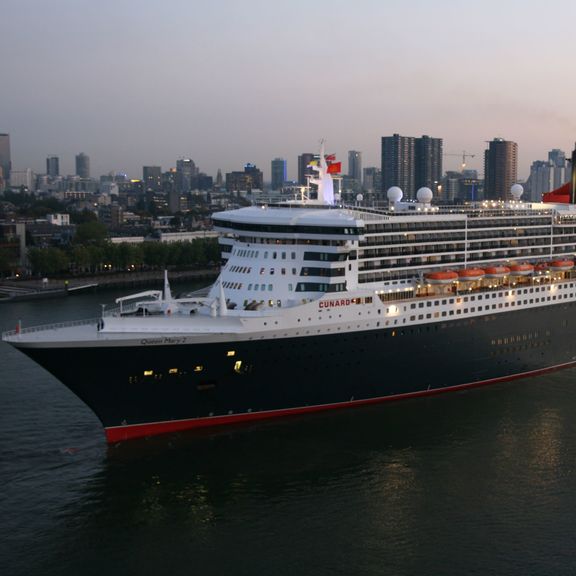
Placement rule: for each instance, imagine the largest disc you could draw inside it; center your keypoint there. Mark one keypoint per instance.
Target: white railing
(44, 327)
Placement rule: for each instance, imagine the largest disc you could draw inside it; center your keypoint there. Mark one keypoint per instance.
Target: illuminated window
(148, 372)
(231, 353)
(238, 366)
(173, 371)
(198, 368)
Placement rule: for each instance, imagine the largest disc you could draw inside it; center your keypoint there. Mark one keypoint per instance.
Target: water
(481, 482)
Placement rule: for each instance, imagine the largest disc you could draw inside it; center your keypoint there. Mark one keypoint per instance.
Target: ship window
(412, 318)
(269, 286)
(173, 371)
(274, 255)
(293, 254)
(148, 372)
(198, 368)
(262, 286)
(231, 353)
(283, 255)
(266, 254)
(290, 287)
(238, 366)
(256, 286)
(249, 286)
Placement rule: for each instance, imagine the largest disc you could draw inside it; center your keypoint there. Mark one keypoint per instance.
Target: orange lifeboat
(497, 271)
(542, 267)
(561, 265)
(471, 274)
(440, 277)
(521, 269)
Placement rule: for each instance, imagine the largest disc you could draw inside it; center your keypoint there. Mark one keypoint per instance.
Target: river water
(478, 482)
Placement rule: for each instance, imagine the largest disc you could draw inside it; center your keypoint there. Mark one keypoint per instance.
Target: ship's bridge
(284, 256)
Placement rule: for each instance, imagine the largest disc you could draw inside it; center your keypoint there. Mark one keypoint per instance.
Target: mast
(573, 178)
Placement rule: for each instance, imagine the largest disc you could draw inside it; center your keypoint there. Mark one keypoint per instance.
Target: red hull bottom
(129, 432)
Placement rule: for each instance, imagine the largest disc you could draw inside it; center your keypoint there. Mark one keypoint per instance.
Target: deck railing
(43, 327)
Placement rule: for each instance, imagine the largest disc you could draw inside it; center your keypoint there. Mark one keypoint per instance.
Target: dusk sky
(225, 82)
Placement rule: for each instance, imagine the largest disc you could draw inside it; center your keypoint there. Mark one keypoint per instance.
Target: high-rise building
(303, 169)
(152, 178)
(557, 158)
(372, 180)
(355, 165)
(546, 176)
(247, 181)
(398, 164)
(278, 173)
(83, 165)
(53, 166)
(185, 175)
(5, 161)
(411, 163)
(500, 169)
(427, 163)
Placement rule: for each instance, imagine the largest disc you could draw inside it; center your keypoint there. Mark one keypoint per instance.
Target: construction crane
(463, 155)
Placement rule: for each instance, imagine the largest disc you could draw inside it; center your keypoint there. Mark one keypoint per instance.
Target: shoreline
(19, 290)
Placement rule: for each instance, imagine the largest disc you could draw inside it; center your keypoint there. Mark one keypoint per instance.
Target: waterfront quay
(14, 290)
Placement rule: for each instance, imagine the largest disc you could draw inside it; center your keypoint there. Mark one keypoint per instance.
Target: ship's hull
(140, 390)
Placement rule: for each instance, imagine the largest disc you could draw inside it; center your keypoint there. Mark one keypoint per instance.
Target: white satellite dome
(394, 194)
(517, 190)
(359, 197)
(424, 195)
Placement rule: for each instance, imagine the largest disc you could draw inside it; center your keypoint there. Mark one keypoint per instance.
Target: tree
(90, 233)
(46, 261)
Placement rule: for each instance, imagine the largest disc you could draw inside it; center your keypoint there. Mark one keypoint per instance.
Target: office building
(185, 175)
(5, 160)
(152, 178)
(355, 165)
(53, 166)
(247, 181)
(303, 167)
(83, 166)
(278, 173)
(500, 169)
(372, 180)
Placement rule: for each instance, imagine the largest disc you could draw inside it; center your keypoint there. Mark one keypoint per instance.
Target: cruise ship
(320, 306)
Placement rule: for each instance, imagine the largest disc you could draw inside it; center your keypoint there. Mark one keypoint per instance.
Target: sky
(226, 82)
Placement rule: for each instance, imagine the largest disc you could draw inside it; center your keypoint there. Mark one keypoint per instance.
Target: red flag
(335, 168)
(330, 158)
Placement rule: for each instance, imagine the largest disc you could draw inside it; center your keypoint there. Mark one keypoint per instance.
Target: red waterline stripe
(132, 431)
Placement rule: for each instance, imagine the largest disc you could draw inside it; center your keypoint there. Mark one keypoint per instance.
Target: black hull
(141, 390)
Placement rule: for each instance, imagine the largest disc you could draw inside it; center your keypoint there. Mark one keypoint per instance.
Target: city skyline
(131, 84)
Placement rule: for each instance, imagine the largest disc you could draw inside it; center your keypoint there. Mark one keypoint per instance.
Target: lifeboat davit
(471, 274)
(521, 269)
(561, 265)
(497, 271)
(440, 277)
(542, 267)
